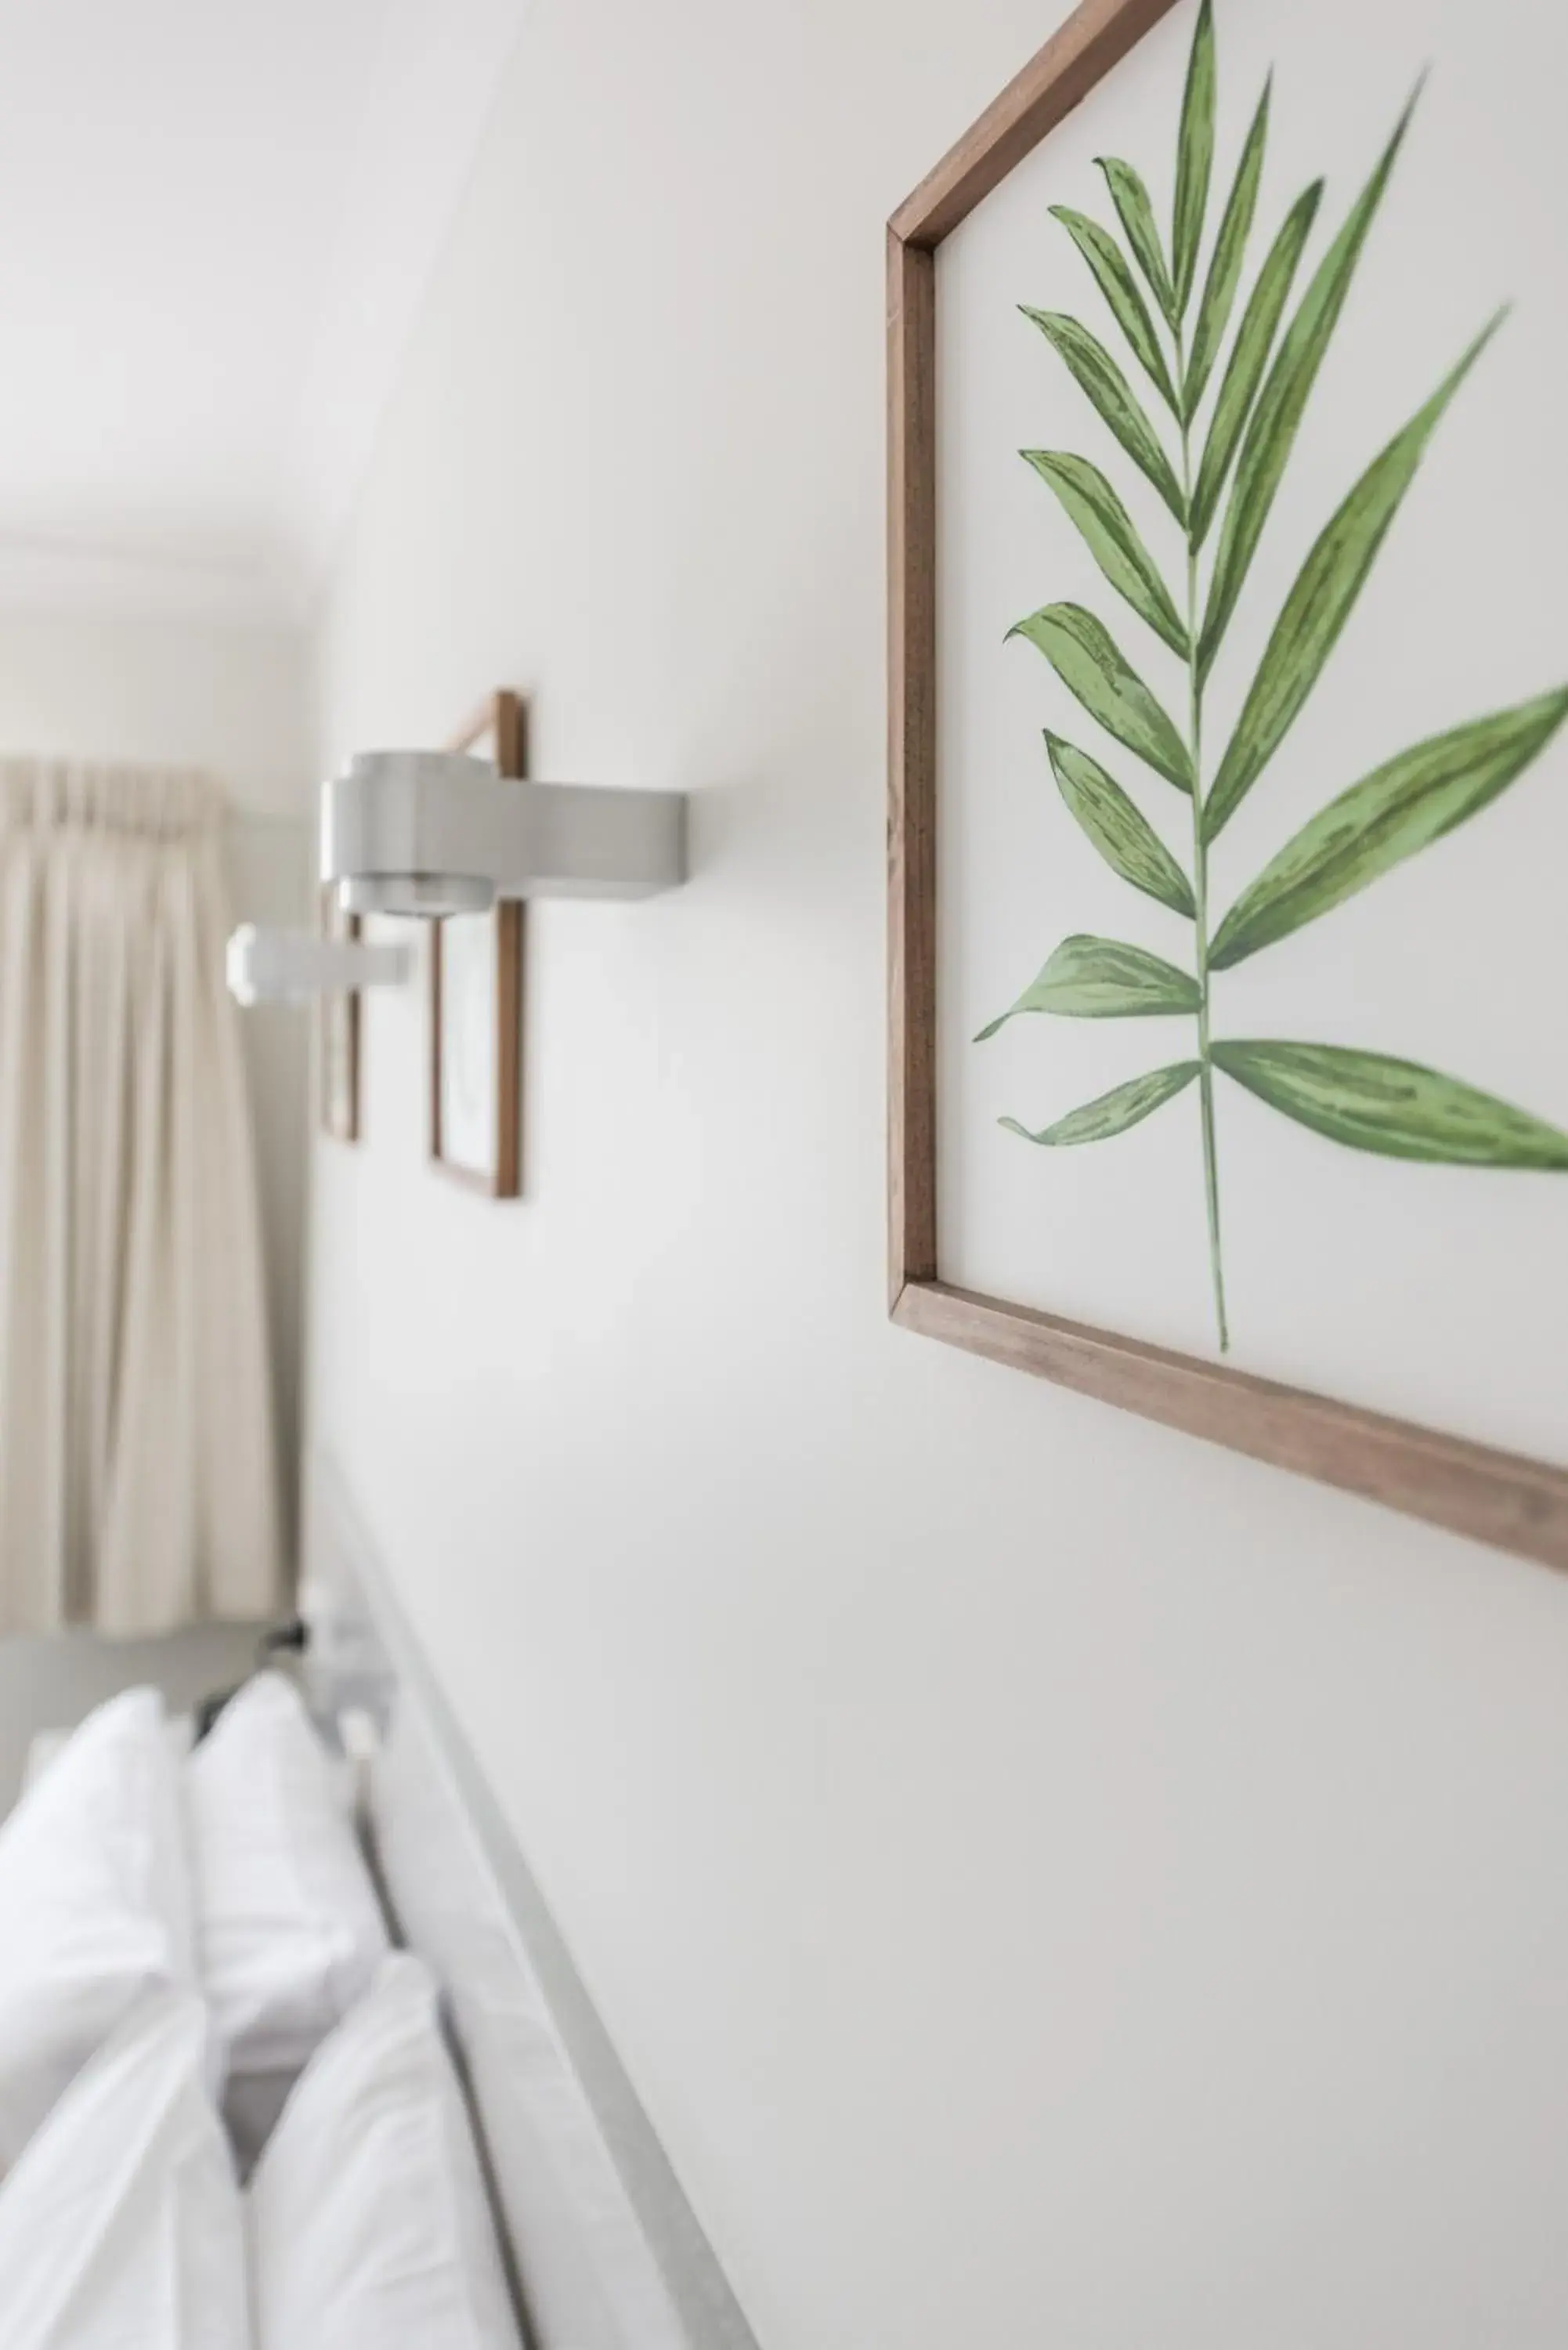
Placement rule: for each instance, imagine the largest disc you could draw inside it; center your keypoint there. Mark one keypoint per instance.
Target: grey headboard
(607, 2251)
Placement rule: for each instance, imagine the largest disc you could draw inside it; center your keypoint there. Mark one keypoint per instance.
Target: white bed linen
(95, 1904)
(48, 1745)
(367, 2218)
(289, 1930)
(121, 2227)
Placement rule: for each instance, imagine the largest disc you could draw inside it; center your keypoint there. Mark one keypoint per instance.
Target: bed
(603, 2250)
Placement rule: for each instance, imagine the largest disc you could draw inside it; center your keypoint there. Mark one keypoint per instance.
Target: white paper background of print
(1441, 1294)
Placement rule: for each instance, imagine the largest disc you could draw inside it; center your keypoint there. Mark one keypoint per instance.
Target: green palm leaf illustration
(1102, 979)
(1322, 598)
(1265, 368)
(1089, 663)
(1399, 808)
(1272, 433)
(1249, 358)
(1136, 214)
(1097, 375)
(1113, 1113)
(1115, 281)
(1111, 536)
(1194, 157)
(1396, 1108)
(1119, 830)
(1230, 251)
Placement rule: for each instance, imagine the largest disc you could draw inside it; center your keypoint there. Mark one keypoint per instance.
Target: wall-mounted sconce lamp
(436, 832)
(271, 966)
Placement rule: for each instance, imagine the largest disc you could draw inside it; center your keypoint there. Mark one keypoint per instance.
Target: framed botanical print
(1228, 700)
(476, 1005)
(338, 1034)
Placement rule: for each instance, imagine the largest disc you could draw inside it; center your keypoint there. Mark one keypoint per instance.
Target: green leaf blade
(1322, 598)
(1194, 157)
(1136, 214)
(1243, 375)
(1271, 435)
(1112, 539)
(1115, 281)
(1102, 979)
(1107, 390)
(1113, 1113)
(1399, 1109)
(1399, 809)
(1230, 250)
(1122, 834)
(1090, 664)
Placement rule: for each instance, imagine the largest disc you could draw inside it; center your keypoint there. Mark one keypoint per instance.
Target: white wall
(1052, 1882)
(105, 684)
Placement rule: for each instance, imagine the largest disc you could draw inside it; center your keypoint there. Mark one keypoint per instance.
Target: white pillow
(122, 2225)
(94, 1904)
(288, 1928)
(50, 1744)
(367, 2217)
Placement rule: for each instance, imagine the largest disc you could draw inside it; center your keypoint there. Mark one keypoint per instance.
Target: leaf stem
(1201, 868)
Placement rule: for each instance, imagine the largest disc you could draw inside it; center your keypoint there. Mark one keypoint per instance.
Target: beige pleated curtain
(138, 1468)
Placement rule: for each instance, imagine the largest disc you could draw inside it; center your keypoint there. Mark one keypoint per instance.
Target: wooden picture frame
(1518, 1505)
(338, 1027)
(500, 726)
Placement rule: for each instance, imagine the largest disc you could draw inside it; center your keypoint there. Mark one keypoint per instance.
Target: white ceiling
(217, 220)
